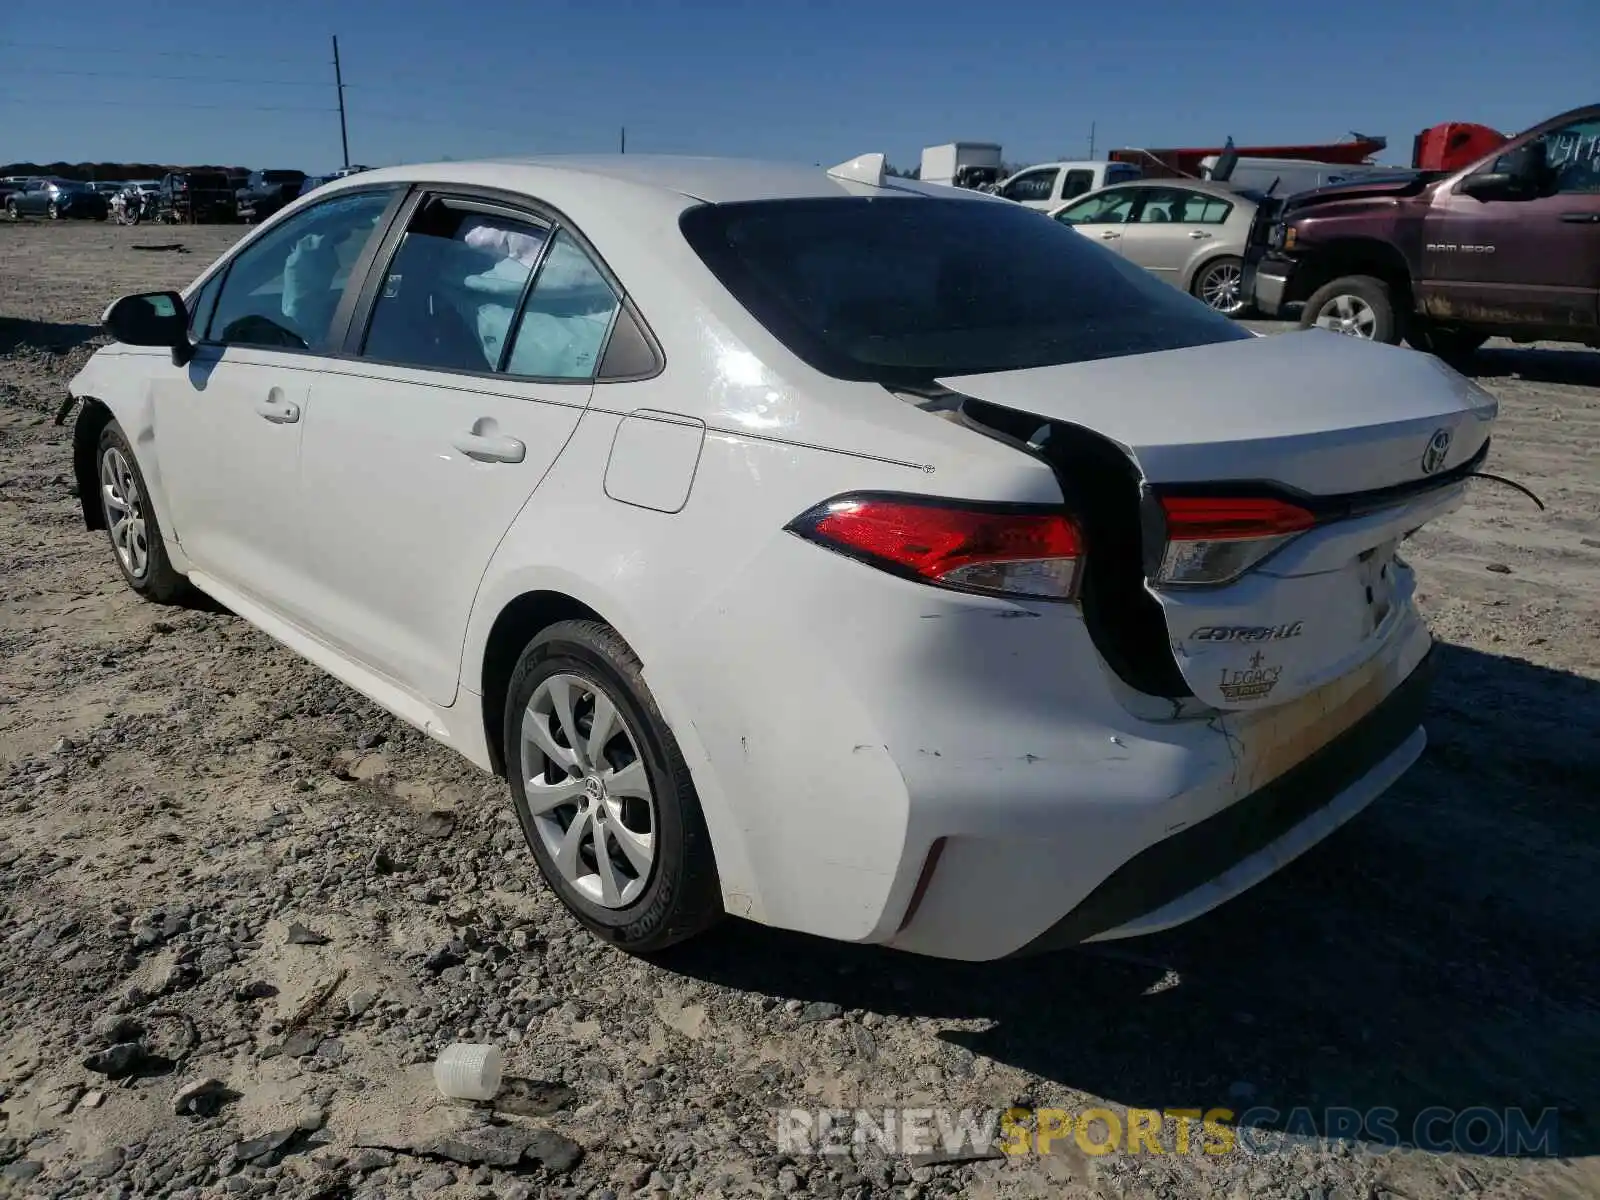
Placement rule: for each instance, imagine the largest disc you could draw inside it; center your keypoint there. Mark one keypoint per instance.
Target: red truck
(1508, 246)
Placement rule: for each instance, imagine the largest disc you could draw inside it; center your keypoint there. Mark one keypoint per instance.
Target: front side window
(1572, 157)
(1031, 185)
(284, 289)
(912, 289)
(1103, 208)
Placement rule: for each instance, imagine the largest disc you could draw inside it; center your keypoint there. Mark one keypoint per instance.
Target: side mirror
(1496, 185)
(152, 319)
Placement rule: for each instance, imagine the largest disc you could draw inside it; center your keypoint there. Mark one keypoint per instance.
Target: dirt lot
(184, 803)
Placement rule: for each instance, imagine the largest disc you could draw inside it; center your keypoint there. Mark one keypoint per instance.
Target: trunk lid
(1370, 439)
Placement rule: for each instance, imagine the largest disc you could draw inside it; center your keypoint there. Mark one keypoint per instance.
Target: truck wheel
(1355, 305)
(1452, 345)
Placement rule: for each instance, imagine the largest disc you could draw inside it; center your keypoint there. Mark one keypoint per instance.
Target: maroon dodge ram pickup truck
(1507, 247)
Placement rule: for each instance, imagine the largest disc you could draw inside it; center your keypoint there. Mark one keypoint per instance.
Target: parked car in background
(265, 192)
(191, 197)
(136, 202)
(311, 183)
(57, 199)
(1508, 246)
(1190, 234)
(1049, 184)
(346, 172)
(423, 430)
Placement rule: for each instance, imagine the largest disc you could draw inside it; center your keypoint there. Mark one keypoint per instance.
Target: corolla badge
(1438, 450)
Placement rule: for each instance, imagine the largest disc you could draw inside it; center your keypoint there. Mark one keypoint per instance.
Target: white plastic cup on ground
(469, 1071)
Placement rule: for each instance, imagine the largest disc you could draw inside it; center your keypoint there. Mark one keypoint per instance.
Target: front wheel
(131, 524)
(13, 213)
(53, 211)
(603, 795)
(1357, 306)
(1220, 283)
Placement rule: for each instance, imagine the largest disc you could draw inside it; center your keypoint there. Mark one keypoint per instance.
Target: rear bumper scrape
(1180, 868)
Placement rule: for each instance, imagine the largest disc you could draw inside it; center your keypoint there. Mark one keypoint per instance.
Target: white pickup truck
(1047, 185)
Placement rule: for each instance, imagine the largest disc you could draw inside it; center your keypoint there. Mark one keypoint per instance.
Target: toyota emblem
(1438, 450)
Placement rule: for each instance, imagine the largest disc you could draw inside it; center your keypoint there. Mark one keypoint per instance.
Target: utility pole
(623, 140)
(338, 84)
(1091, 138)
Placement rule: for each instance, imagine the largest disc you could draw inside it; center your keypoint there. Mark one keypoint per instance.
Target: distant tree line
(91, 172)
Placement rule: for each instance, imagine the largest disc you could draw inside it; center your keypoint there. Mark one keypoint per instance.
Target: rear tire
(53, 212)
(1451, 345)
(13, 213)
(630, 797)
(1355, 305)
(131, 524)
(1219, 284)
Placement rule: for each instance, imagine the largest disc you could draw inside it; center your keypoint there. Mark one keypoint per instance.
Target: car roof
(671, 179)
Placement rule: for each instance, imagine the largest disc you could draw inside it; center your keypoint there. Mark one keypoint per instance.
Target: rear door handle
(1581, 218)
(483, 447)
(1197, 234)
(278, 410)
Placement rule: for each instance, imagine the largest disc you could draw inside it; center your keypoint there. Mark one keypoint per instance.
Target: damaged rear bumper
(1092, 871)
(1198, 868)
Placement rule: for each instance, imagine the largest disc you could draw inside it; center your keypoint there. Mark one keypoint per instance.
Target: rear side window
(564, 325)
(1077, 183)
(907, 289)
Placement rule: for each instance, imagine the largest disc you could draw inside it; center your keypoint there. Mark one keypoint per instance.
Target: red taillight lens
(1008, 550)
(1212, 539)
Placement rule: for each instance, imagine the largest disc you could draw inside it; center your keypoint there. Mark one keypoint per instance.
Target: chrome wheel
(1221, 287)
(55, 213)
(587, 790)
(1349, 315)
(124, 509)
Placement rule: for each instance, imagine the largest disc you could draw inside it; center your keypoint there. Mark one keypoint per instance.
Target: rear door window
(912, 289)
(453, 288)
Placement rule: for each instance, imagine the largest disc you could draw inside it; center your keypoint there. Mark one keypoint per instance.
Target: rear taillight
(1211, 540)
(1024, 551)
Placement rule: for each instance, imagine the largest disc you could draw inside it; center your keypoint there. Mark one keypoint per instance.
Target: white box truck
(961, 164)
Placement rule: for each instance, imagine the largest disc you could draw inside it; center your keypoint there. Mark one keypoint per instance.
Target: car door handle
(1197, 234)
(490, 447)
(1581, 218)
(1111, 233)
(279, 412)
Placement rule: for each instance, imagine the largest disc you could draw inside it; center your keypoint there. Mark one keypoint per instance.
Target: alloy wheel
(1348, 314)
(1221, 288)
(587, 790)
(124, 509)
(55, 213)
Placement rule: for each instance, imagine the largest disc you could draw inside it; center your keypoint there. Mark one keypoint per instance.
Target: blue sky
(251, 84)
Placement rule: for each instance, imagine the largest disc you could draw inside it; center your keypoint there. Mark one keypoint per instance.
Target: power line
(166, 78)
(161, 104)
(122, 50)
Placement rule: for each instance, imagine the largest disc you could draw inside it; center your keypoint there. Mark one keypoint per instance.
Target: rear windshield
(282, 176)
(906, 289)
(203, 179)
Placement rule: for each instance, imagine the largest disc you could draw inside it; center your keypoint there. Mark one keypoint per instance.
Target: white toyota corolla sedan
(852, 555)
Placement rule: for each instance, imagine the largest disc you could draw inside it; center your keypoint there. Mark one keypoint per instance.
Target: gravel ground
(218, 864)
